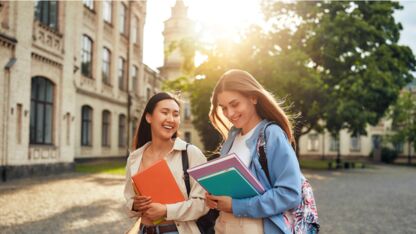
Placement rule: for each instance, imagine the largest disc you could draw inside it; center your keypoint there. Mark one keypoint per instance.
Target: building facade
(73, 82)
(177, 28)
(323, 145)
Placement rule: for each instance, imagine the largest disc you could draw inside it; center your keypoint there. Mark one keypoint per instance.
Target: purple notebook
(224, 163)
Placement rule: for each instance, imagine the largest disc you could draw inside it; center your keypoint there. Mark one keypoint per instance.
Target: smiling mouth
(167, 127)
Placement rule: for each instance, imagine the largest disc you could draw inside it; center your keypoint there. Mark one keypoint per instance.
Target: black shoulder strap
(185, 166)
(261, 142)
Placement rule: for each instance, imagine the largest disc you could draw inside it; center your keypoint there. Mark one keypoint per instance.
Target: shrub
(388, 155)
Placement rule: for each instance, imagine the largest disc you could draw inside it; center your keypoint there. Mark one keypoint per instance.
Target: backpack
(206, 222)
(304, 218)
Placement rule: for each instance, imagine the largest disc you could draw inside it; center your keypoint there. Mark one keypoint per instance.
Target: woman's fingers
(141, 203)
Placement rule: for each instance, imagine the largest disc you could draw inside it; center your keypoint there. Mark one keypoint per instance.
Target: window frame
(106, 66)
(108, 9)
(122, 130)
(45, 15)
(121, 73)
(123, 19)
(35, 101)
(87, 123)
(87, 53)
(89, 4)
(106, 129)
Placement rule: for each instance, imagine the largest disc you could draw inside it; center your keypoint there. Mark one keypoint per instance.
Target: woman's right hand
(141, 203)
(211, 203)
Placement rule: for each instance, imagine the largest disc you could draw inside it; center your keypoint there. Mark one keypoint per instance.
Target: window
(187, 111)
(41, 111)
(105, 141)
(122, 130)
(123, 14)
(135, 26)
(86, 56)
(89, 4)
(134, 75)
(121, 73)
(46, 12)
(355, 143)
(334, 144)
(398, 146)
(105, 68)
(86, 126)
(376, 140)
(313, 142)
(148, 93)
(107, 11)
(188, 137)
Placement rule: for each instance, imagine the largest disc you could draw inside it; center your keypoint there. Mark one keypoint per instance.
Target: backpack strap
(261, 145)
(185, 166)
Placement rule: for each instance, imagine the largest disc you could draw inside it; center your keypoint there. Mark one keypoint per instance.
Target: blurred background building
(73, 83)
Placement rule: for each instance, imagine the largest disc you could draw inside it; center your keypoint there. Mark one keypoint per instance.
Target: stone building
(323, 145)
(73, 82)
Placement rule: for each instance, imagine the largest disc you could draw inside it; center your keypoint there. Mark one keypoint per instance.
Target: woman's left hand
(155, 211)
(224, 203)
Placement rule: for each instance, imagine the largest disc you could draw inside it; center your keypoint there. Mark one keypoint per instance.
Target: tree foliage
(336, 64)
(403, 115)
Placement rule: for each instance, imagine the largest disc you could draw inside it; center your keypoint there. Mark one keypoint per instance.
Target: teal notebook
(228, 183)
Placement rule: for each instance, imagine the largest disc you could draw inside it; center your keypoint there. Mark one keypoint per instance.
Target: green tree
(403, 114)
(355, 45)
(339, 62)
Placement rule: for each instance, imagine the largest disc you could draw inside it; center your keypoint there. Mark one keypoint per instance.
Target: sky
(207, 14)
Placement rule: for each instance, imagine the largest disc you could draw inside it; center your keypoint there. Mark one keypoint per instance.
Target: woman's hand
(155, 211)
(211, 203)
(141, 203)
(222, 203)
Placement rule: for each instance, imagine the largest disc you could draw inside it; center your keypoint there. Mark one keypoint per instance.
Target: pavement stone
(377, 200)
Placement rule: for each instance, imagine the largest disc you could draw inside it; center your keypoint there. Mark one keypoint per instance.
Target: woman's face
(240, 110)
(165, 119)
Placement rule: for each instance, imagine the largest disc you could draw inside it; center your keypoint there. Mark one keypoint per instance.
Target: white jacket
(185, 213)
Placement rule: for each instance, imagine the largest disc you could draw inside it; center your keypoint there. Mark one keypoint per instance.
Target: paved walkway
(70, 203)
(380, 200)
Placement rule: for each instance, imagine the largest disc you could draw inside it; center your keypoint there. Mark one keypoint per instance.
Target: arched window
(121, 73)
(106, 127)
(106, 65)
(135, 77)
(41, 111)
(122, 130)
(86, 126)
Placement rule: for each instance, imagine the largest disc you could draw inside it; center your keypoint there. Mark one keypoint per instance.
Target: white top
(240, 148)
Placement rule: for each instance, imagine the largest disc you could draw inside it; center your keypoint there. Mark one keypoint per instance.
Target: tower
(177, 28)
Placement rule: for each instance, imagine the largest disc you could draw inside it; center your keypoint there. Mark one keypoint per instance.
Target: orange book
(158, 182)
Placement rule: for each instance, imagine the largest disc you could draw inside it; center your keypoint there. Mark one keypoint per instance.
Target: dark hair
(143, 132)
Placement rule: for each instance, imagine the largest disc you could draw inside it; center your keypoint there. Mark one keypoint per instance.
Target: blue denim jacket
(284, 174)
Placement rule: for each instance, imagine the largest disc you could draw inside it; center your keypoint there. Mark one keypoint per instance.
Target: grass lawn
(117, 168)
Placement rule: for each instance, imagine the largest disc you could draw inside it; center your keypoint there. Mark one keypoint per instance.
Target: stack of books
(227, 176)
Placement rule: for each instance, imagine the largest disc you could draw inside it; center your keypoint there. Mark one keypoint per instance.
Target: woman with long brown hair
(156, 139)
(242, 110)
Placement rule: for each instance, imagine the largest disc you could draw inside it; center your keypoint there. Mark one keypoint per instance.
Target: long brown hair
(143, 133)
(244, 83)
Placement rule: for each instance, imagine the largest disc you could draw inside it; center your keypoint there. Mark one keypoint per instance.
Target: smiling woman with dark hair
(156, 139)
